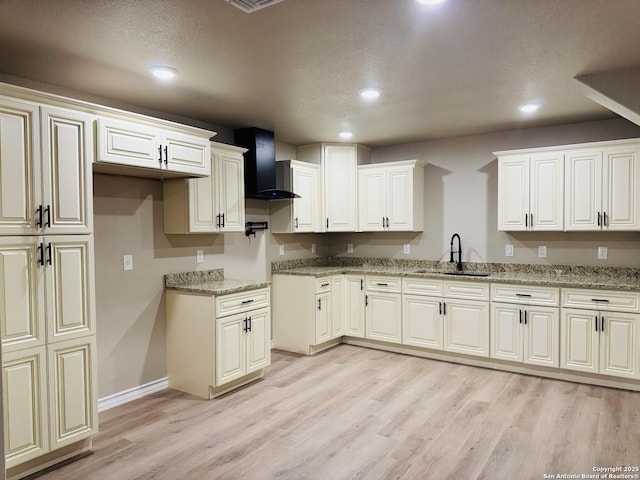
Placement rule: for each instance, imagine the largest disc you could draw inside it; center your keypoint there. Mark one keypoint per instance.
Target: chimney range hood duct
(260, 164)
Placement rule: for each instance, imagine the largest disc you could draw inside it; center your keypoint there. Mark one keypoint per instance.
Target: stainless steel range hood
(260, 164)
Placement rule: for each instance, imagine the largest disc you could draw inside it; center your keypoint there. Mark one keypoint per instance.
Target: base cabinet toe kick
(576, 334)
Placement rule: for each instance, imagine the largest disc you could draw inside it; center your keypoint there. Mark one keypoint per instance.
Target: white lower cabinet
(353, 304)
(242, 344)
(323, 317)
(422, 323)
(466, 327)
(528, 334)
(383, 309)
(525, 324)
(217, 342)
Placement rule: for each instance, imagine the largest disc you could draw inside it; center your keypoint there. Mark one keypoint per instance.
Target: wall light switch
(542, 251)
(349, 247)
(602, 253)
(407, 248)
(313, 248)
(281, 250)
(128, 262)
(199, 256)
(508, 250)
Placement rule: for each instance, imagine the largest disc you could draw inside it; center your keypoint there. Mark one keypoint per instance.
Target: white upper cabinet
(390, 196)
(530, 192)
(302, 214)
(158, 151)
(603, 189)
(339, 192)
(212, 204)
(590, 186)
(45, 169)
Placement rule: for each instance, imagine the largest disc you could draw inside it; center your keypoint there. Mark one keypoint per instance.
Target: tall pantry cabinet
(47, 299)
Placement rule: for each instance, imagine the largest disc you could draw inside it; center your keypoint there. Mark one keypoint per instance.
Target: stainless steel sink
(468, 274)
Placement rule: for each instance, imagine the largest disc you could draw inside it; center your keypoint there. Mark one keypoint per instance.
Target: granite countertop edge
(533, 279)
(220, 287)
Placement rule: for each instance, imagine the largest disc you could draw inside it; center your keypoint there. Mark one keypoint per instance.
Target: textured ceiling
(458, 68)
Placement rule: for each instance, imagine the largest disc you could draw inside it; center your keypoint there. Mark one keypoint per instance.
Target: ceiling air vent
(249, 6)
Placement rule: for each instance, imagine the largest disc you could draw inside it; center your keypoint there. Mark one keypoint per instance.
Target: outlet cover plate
(199, 256)
(349, 247)
(281, 250)
(313, 248)
(542, 251)
(406, 248)
(127, 262)
(508, 250)
(602, 253)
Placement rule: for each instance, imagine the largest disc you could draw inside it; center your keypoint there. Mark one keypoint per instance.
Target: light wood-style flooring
(356, 413)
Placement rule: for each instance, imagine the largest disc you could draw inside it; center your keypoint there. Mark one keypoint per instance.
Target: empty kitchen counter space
(218, 331)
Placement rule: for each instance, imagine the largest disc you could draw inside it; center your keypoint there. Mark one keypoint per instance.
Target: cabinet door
(372, 205)
(323, 317)
(340, 187)
(258, 339)
(69, 287)
(354, 306)
(383, 317)
(620, 344)
(466, 327)
(67, 149)
(128, 143)
(187, 154)
(422, 322)
(506, 332)
(306, 209)
(73, 394)
(20, 182)
(202, 204)
(542, 336)
(230, 183)
(583, 190)
(579, 340)
(24, 383)
(400, 198)
(230, 348)
(513, 193)
(338, 305)
(22, 313)
(546, 197)
(621, 189)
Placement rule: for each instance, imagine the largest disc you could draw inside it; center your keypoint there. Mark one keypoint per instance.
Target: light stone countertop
(211, 282)
(603, 279)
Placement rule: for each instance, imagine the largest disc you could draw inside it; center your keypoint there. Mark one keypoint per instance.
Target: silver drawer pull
(601, 300)
(244, 302)
(527, 295)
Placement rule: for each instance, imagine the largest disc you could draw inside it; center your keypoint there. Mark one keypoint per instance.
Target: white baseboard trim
(134, 393)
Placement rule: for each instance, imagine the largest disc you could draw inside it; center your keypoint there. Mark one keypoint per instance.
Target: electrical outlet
(508, 250)
(281, 250)
(349, 247)
(199, 256)
(128, 262)
(407, 248)
(602, 253)
(313, 248)
(542, 251)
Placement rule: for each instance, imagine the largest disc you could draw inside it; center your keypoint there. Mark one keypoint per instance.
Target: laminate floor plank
(356, 413)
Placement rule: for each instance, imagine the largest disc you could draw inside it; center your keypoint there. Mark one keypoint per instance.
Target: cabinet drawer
(242, 302)
(422, 286)
(380, 283)
(525, 294)
(323, 284)
(601, 300)
(466, 290)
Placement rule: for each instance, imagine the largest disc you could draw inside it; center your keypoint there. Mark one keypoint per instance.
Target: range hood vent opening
(260, 164)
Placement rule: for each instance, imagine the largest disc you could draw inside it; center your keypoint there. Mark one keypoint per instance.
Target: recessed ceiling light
(430, 2)
(345, 134)
(370, 93)
(163, 72)
(529, 107)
